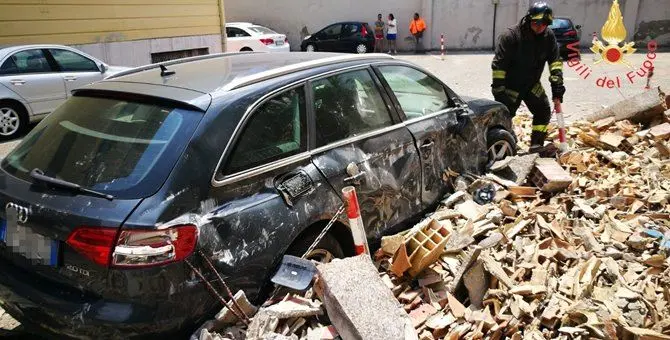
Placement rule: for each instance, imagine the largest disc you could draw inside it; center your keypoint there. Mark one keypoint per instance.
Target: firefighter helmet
(540, 11)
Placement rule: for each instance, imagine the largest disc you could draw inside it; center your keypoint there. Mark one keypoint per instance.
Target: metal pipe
(495, 15)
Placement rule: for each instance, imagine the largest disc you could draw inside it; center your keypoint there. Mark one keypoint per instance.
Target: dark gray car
(240, 156)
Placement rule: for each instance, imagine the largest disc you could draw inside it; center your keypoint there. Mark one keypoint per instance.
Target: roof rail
(174, 62)
(280, 71)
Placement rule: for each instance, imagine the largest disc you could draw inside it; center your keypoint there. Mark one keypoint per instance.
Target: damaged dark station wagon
(239, 156)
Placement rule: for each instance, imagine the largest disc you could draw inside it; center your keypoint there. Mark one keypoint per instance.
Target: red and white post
(355, 220)
(563, 146)
(442, 46)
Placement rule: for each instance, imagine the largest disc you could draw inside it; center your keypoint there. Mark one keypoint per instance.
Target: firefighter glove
(557, 91)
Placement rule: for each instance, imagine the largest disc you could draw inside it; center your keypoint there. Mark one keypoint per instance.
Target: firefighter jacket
(519, 61)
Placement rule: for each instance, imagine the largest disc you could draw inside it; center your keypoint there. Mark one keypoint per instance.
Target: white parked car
(36, 79)
(245, 36)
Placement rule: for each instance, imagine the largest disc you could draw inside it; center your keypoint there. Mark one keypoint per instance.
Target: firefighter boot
(537, 145)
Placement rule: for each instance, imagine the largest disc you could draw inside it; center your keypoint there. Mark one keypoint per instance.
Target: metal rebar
(230, 294)
(211, 288)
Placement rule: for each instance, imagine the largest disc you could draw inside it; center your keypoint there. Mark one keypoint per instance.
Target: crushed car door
(431, 117)
(357, 143)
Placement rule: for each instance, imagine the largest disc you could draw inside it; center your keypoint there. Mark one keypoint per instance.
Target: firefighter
(517, 67)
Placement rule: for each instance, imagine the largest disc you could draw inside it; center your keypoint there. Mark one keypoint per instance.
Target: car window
(234, 32)
(333, 30)
(30, 61)
(347, 105)
(417, 93)
(261, 30)
(120, 147)
(561, 23)
(73, 62)
(277, 129)
(349, 30)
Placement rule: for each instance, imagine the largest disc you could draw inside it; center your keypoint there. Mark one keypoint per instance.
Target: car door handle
(70, 78)
(17, 82)
(427, 144)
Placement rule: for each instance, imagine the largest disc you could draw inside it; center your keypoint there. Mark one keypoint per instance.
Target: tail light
(570, 33)
(134, 248)
(364, 31)
(93, 242)
(267, 41)
(286, 40)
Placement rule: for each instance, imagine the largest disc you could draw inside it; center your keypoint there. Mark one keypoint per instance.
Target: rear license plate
(25, 242)
(279, 42)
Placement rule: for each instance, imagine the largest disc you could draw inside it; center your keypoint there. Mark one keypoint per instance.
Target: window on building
(171, 55)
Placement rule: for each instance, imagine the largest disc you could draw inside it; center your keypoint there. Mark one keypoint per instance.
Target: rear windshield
(123, 148)
(261, 30)
(561, 23)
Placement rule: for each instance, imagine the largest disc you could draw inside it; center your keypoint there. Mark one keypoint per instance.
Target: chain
(324, 231)
(316, 241)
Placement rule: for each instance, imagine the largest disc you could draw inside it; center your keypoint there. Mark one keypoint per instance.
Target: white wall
(466, 24)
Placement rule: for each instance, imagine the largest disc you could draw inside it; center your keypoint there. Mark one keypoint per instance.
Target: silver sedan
(36, 79)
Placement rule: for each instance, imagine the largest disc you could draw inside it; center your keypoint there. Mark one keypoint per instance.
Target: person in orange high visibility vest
(417, 26)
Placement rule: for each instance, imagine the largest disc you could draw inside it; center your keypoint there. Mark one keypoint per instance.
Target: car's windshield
(561, 23)
(123, 148)
(261, 30)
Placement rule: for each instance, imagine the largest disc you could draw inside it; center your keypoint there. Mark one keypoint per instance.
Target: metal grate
(171, 55)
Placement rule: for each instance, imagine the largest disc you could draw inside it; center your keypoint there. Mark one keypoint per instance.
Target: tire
(327, 249)
(246, 49)
(13, 120)
(361, 49)
(499, 144)
(310, 48)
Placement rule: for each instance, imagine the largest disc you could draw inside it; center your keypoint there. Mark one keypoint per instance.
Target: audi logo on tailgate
(21, 212)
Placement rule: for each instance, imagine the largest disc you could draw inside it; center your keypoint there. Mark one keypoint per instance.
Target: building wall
(299, 18)
(100, 27)
(466, 24)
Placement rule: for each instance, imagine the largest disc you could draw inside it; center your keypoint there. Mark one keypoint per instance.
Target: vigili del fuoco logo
(614, 51)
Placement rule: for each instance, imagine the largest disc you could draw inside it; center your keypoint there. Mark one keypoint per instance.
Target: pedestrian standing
(417, 26)
(379, 34)
(518, 64)
(392, 33)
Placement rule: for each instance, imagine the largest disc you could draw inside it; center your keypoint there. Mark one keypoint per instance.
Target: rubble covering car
(238, 156)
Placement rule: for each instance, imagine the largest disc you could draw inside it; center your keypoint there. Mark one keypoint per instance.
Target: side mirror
(103, 68)
(578, 27)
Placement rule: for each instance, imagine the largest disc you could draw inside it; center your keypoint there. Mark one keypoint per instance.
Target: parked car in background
(237, 157)
(350, 36)
(36, 79)
(566, 33)
(245, 36)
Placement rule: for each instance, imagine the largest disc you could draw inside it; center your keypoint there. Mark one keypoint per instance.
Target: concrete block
(549, 176)
(359, 304)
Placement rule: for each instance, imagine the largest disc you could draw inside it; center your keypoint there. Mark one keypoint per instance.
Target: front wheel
(310, 48)
(13, 120)
(499, 144)
(361, 49)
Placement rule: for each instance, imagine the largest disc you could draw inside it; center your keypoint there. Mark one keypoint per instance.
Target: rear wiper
(39, 175)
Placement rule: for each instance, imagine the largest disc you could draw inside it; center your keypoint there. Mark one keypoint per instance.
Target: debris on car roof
(565, 248)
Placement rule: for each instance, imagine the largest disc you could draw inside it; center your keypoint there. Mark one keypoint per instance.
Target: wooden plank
(94, 37)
